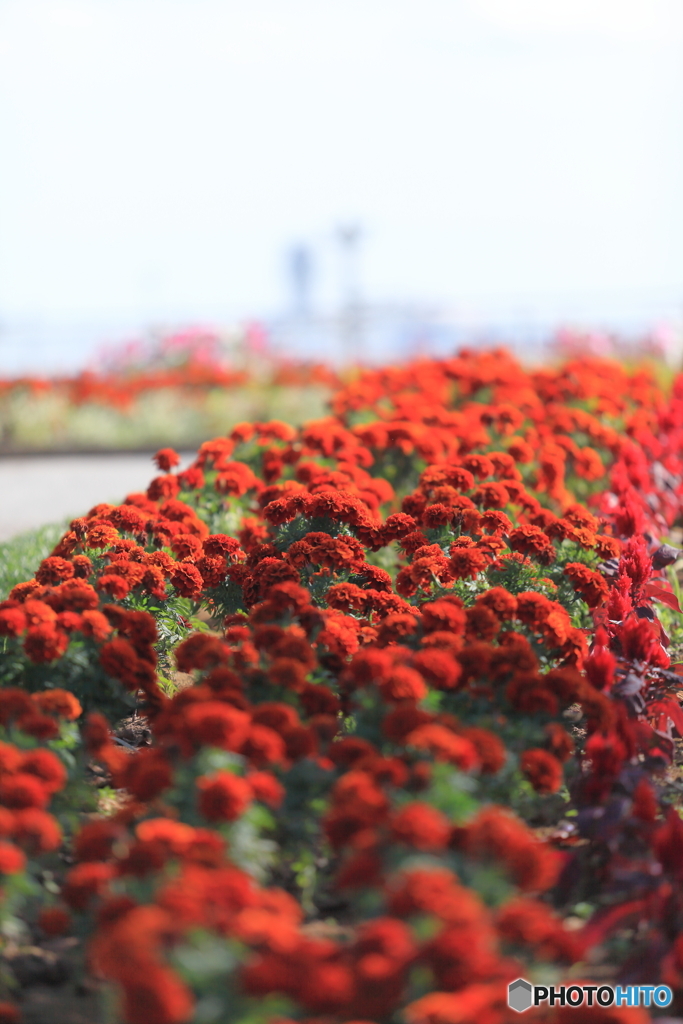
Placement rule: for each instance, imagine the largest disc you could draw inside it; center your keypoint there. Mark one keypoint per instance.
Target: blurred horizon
(457, 169)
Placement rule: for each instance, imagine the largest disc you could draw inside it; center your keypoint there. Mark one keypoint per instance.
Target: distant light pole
(301, 275)
(350, 317)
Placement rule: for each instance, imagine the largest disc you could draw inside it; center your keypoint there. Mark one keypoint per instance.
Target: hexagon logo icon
(519, 995)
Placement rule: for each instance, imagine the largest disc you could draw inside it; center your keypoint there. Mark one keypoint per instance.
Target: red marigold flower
(242, 432)
(499, 601)
(423, 890)
(263, 746)
(490, 750)
(22, 591)
(166, 459)
(266, 788)
(491, 495)
(119, 659)
(590, 585)
(559, 742)
(146, 775)
(95, 624)
(412, 542)
(101, 536)
(10, 758)
(223, 796)
(13, 619)
(444, 745)
(23, 790)
(345, 752)
(154, 581)
(45, 643)
(532, 541)
(37, 830)
(174, 836)
(47, 767)
(396, 628)
(466, 562)
(482, 622)
(494, 832)
(215, 452)
(41, 727)
(529, 692)
(213, 723)
(236, 478)
(152, 993)
(357, 791)
(61, 703)
(542, 769)
(300, 741)
(403, 683)
(439, 668)
(607, 547)
(200, 651)
(116, 586)
(213, 570)
(14, 703)
(187, 546)
(54, 570)
(187, 580)
(220, 545)
(397, 526)
(84, 882)
(327, 988)
(129, 519)
(458, 956)
(422, 826)
(529, 922)
(444, 614)
(360, 870)
(54, 921)
(436, 515)
(74, 595)
(96, 734)
(69, 621)
(167, 486)
(480, 465)
(12, 860)
(191, 479)
(94, 840)
(496, 522)
(288, 673)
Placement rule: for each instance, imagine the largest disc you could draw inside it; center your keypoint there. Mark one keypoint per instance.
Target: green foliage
(21, 556)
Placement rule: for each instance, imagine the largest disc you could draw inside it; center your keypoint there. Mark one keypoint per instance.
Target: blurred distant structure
(351, 309)
(382, 332)
(355, 331)
(300, 265)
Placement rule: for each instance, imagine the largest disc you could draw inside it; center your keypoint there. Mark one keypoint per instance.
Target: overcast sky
(160, 156)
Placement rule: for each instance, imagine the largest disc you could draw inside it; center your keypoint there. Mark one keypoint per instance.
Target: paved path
(40, 489)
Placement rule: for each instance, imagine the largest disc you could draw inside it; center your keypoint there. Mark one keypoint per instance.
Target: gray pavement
(40, 489)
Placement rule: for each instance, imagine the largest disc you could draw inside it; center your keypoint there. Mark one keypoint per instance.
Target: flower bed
(175, 389)
(381, 711)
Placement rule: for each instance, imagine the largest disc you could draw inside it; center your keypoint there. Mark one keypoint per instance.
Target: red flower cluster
(421, 593)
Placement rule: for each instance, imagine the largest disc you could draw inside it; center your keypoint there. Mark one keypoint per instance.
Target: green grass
(21, 556)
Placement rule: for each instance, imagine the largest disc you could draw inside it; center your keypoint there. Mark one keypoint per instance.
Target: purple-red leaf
(665, 596)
